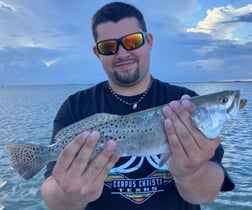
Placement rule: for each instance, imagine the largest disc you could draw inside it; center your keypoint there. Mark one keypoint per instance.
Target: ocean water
(26, 115)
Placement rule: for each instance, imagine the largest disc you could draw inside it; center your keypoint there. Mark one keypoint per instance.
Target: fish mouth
(242, 103)
(237, 104)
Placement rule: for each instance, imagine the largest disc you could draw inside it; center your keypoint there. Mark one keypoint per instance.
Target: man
(192, 176)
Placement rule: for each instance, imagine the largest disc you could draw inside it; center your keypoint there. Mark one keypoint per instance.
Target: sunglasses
(129, 42)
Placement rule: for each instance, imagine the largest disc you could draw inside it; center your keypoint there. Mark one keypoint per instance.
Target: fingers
(189, 147)
(72, 153)
(180, 138)
(177, 148)
(74, 170)
(96, 172)
(184, 139)
(103, 162)
(82, 157)
(185, 96)
(207, 146)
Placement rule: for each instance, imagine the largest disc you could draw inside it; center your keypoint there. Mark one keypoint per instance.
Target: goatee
(127, 79)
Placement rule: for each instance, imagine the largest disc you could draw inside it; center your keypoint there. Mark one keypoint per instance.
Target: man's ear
(149, 39)
(96, 52)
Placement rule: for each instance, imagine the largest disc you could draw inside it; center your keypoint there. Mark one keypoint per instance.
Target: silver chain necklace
(134, 104)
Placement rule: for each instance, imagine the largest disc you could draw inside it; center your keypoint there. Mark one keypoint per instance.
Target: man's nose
(122, 51)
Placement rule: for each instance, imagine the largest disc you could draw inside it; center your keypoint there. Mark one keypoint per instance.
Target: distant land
(235, 80)
(216, 81)
(2, 85)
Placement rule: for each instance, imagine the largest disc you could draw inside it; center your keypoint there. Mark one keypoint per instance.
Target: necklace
(134, 104)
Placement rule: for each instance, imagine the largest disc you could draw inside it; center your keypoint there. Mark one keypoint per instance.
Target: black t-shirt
(137, 182)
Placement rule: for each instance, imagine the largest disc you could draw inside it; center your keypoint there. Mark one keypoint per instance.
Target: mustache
(118, 61)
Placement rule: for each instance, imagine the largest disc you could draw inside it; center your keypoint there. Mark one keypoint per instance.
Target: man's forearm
(56, 198)
(203, 186)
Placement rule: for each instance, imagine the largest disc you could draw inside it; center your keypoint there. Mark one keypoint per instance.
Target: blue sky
(50, 42)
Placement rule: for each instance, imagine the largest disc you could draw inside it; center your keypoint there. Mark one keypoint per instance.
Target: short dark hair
(114, 12)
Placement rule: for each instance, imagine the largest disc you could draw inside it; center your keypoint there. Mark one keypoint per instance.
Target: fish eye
(223, 100)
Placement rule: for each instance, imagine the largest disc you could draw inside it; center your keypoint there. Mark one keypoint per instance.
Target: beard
(127, 78)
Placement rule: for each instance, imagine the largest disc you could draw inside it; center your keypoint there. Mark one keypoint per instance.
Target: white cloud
(162, 15)
(166, 8)
(221, 22)
(17, 63)
(49, 62)
(206, 49)
(1, 67)
(27, 41)
(7, 7)
(29, 25)
(204, 64)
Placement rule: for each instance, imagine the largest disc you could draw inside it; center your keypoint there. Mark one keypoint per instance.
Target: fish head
(215, 109)
(235, 103)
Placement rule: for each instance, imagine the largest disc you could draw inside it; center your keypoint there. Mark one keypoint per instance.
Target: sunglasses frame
(120, 42)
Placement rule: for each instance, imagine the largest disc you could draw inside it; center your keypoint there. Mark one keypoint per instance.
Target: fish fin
(164, 158)
(25, 158)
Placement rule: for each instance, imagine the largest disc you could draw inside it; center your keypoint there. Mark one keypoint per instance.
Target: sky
(50, 41)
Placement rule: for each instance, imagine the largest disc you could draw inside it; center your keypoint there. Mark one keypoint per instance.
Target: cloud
(1, 67)
(37, 24)
(204, 64)
(246, 18)
(161, 15)
(198, 57)
(7, 7)
(222, 22)
(49, 62)
(166, 8)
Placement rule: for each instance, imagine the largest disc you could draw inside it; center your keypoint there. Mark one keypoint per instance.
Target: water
(26, 115)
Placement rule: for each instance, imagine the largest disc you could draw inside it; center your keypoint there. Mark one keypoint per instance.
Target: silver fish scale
(129, 131)
(133, 132)
(68, 133)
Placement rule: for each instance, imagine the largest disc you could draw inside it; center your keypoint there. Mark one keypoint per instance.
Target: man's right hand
(77, 179)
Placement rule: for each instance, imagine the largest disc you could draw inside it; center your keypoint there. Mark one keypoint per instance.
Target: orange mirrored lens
(133, 41)
(107, 47)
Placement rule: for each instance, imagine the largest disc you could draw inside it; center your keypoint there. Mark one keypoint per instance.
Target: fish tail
(27, 159)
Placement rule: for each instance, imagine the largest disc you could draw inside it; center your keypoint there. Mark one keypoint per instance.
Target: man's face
(125, 67)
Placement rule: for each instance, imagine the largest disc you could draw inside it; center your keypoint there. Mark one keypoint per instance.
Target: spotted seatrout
(137, 134)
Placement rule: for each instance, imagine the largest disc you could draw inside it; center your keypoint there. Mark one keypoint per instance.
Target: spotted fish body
(137, 134)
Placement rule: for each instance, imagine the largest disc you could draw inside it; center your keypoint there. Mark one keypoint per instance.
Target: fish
(137, 134)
